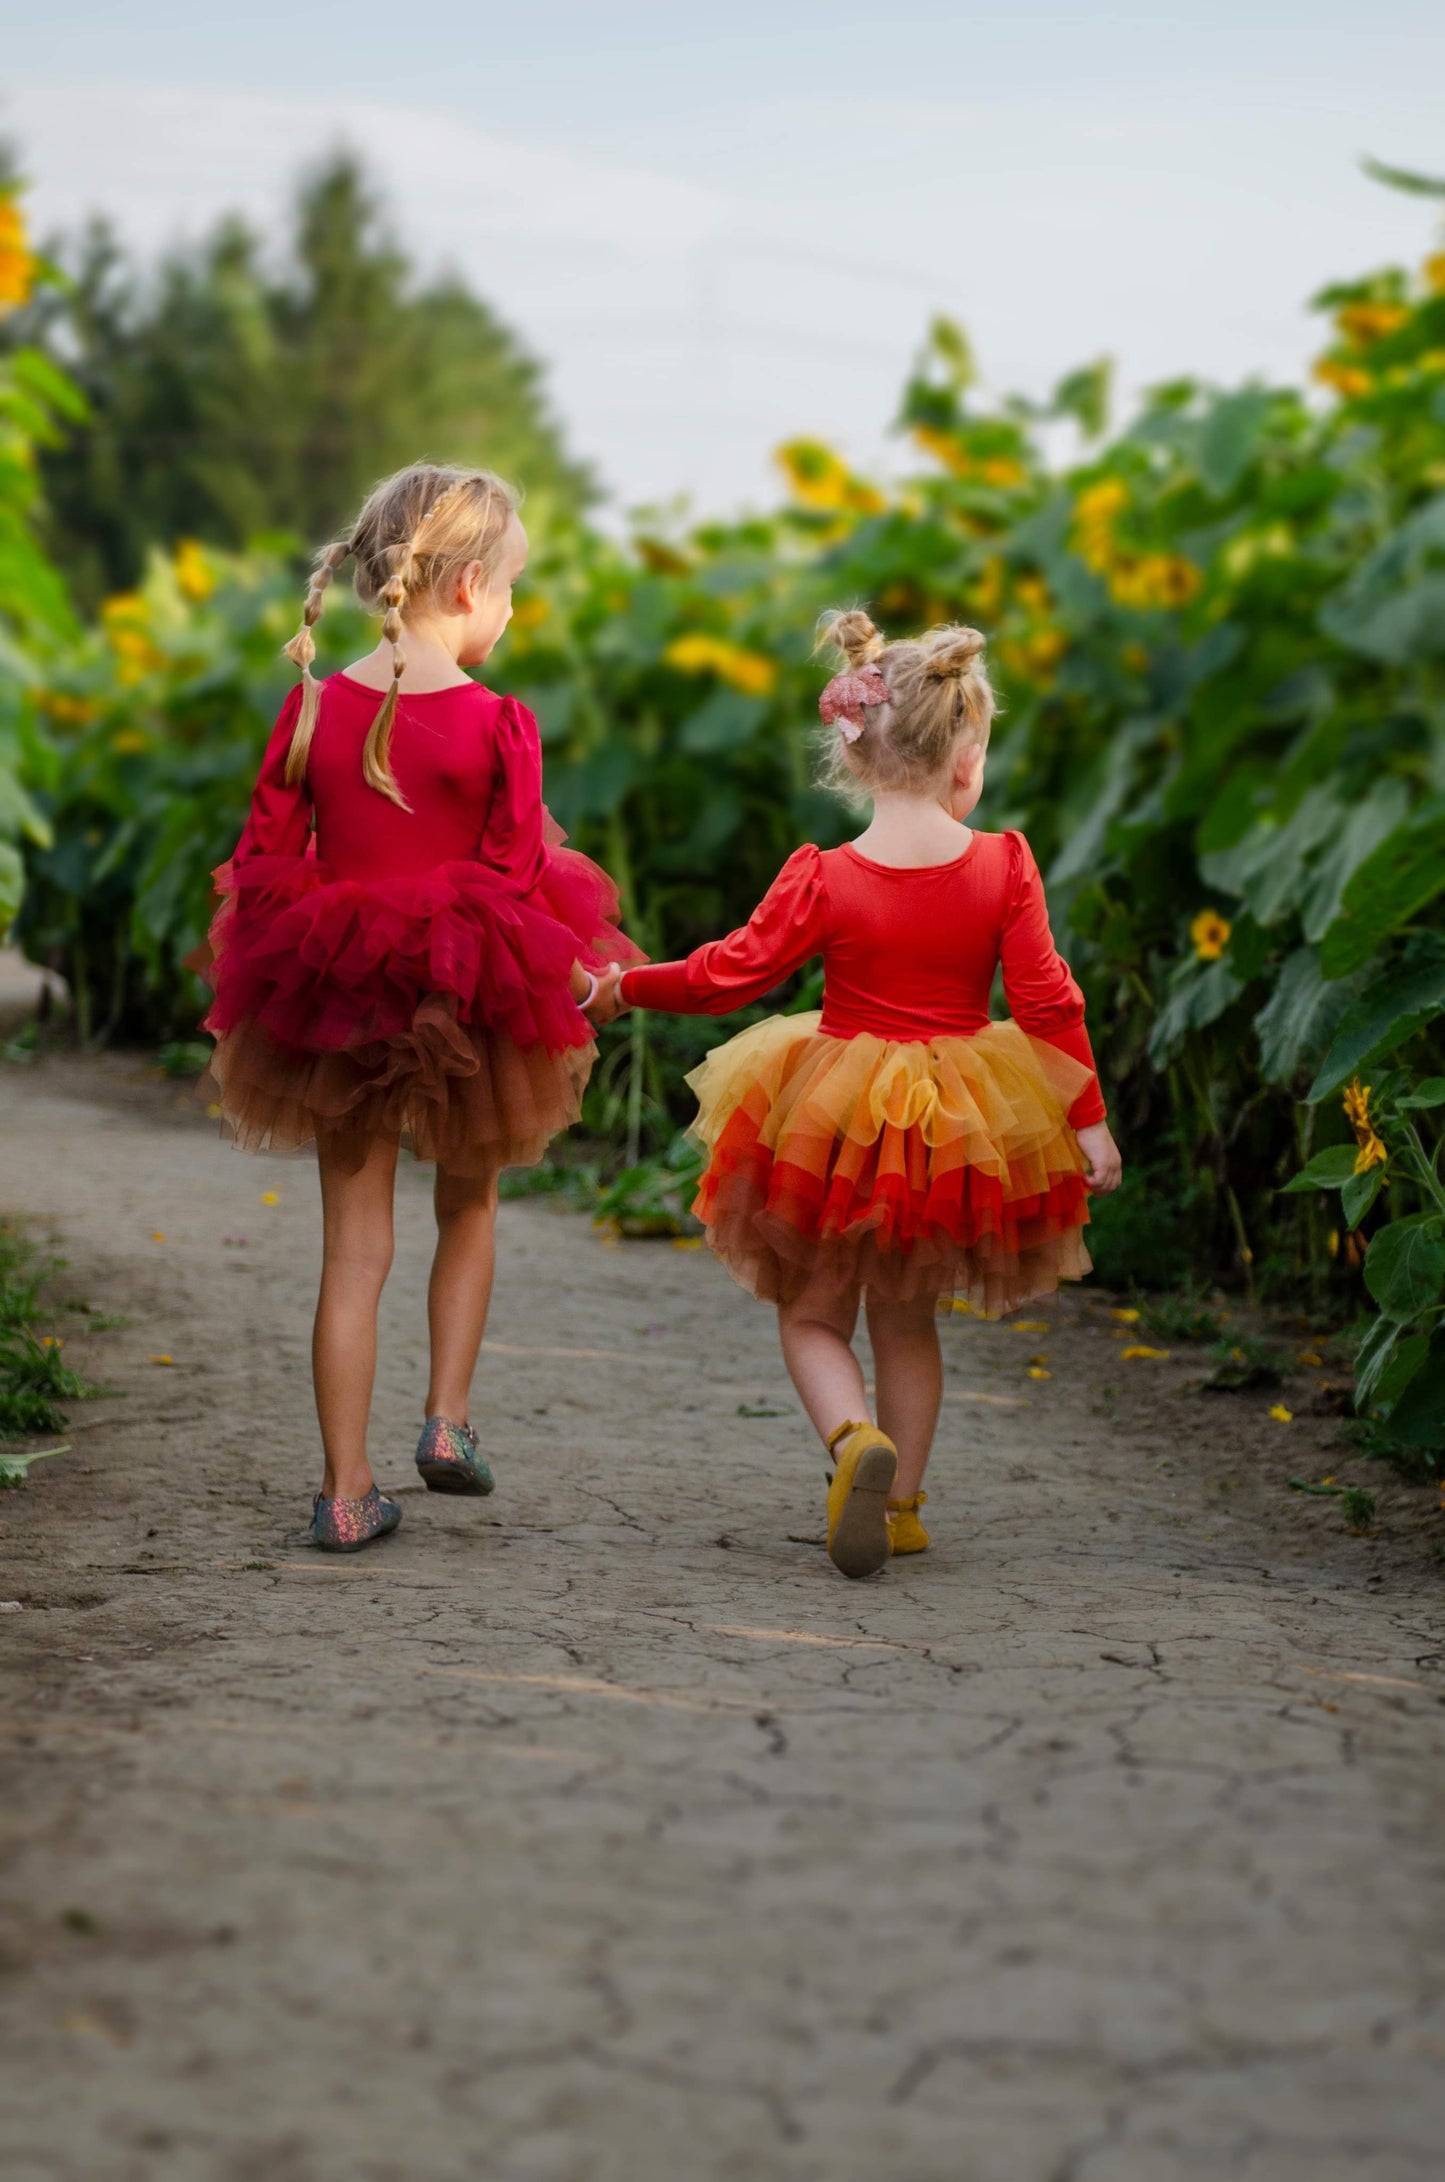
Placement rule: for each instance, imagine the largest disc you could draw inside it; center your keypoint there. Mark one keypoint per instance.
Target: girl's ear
(968, 765)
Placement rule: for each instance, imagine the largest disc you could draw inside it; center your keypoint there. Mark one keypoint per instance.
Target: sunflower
(1210, 934)
(1356, 1102)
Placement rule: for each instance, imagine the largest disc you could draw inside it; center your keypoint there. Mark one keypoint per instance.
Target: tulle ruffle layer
(433, 1007)
(324, 964)
(473, 1100)
(936, 1168)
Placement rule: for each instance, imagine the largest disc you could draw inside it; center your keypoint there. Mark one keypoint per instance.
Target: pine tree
(230, 399)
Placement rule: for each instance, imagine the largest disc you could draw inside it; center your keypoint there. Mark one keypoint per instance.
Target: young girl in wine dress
(427, 964)
(900, 1145)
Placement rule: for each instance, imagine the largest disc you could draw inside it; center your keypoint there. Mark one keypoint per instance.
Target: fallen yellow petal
(1126, 1318)
(687, 1242)
(1037, 1372)
(1030, 1325)
(160, 1359)
(213, 1111)
(270, 1197)
(1281, 1415)
(1309, 1356)
(158, 1237)
(1140, 1350)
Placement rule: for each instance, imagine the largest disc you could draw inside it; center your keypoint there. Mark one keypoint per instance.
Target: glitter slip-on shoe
(858, 1541)
(345, 1526)
(450, 1460)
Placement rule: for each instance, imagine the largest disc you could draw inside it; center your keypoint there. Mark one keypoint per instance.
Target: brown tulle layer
(468, 1098)
(927, 1168)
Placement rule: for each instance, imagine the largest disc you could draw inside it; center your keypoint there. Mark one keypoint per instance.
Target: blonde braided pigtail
(301, 651)
(376, 753)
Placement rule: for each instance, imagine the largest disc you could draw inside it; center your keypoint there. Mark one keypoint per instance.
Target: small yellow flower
(988, 589)
(65, 710)
(1356, 1102)
(51, 1341)
(194, 573)
(17, 259)
(1151, 580)
(1281, 1415)
(1209, 933)
(1139, 1350)
(751, 673)
(1362, 323)
(270, 1197)
(1347, 380)
(1102, 503)
(820, 479)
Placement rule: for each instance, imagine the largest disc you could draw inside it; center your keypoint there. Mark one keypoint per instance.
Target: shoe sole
(360, 1545)
(447, 1477)
(859, 1544)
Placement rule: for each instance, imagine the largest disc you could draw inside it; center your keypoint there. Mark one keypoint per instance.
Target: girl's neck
(431, 663)
(910, 831)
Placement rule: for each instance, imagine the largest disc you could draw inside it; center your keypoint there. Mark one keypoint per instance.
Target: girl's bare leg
(356, 1213)
(908, 1364)
(816, 1331)
(460, 1290)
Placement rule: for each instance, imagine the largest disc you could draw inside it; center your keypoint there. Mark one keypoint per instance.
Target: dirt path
(602, 1834)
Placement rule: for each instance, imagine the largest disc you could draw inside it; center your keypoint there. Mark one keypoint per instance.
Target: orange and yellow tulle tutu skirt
(944, 1167)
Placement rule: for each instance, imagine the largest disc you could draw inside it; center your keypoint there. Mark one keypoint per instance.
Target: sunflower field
(1219, 636)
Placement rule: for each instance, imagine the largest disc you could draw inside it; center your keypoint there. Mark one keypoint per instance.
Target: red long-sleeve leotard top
(467, 761)
(907, 954)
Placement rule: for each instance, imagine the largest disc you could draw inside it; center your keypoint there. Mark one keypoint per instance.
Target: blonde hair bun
(938, 697)
(952, 652)
(854, 635)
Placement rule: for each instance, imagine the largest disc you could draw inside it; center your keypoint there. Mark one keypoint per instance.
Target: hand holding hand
(1106, 1168)
(606, 1003)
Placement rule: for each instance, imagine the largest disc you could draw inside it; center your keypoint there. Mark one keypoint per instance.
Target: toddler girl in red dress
(428, 963)
(899, 1143)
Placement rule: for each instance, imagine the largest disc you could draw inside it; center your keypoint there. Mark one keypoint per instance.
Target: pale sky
(721, 228)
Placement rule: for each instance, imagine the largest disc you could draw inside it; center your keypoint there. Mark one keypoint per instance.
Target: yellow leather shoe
(906, 1534)
(858, 1498)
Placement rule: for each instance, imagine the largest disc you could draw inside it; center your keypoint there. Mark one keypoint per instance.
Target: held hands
(1106, 1168)
(606, 1003)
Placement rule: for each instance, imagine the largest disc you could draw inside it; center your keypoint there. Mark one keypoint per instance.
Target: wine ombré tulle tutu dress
(405, 974)
(899, 1140)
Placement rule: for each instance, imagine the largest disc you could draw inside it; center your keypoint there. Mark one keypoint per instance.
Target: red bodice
(907, 954)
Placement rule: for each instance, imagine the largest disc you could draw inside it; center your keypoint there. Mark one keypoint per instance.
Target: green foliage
(1218, 639)
(1241, 1365)
(231, 396)
(34, 1381)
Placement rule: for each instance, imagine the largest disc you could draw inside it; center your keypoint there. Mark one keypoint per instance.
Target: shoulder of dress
(804, 871)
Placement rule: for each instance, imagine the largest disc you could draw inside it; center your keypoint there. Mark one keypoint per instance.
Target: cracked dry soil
(599, 1832)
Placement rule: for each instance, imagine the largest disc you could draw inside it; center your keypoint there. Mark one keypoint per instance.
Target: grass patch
(35, 1380)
